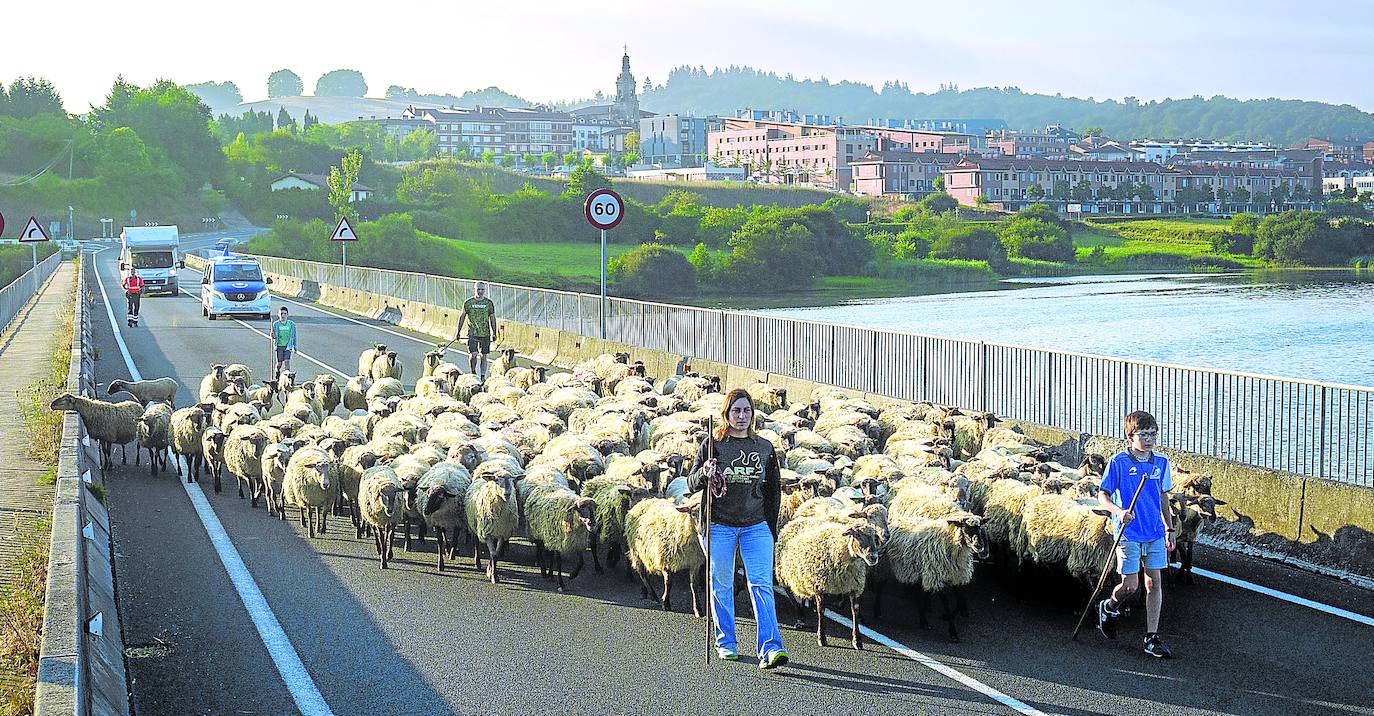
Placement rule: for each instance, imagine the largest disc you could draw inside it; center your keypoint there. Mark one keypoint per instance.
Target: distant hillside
(331, 110)
(1284, 122)
(489, 97)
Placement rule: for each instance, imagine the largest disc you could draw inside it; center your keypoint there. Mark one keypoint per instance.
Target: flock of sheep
(594, 460)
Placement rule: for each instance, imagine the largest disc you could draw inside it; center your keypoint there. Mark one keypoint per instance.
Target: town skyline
(1248, 51)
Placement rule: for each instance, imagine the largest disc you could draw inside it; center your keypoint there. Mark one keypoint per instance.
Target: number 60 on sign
(604, 209)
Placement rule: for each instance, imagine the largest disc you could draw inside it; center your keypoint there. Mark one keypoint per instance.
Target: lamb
(187, 427)
(327, 390)
(937, 556)
(109, 423)
(355, 392)
(276, 457)
(560, 523)
(822, 558)
(380, 503)
(212, 448)
(157, 390)
(492, 517)
(243, 457)
(213, 383)
(386, 366)
(366, 359)
(661, 539)
(443, 491)
(155, 435)
(312, 484)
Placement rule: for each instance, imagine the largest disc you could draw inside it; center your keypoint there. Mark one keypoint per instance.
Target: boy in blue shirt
(1148, 534)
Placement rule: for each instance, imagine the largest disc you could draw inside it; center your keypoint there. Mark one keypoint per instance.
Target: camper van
(154, 253)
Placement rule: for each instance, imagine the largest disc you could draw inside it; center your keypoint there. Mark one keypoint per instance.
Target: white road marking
(1285, 596)
(297, 680)
(941, 668)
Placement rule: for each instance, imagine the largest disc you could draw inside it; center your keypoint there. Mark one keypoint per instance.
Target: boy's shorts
(1129, 554)
(479, 344)
(283, 354)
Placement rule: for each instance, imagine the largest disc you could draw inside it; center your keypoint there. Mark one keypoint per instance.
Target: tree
(488, 157)
(1300, 193)
(1036, 192)
(969, 243)
(508, 160)
(1223, 196)
(1309, 238)
(1281, 194)
(341, 83)
(169, 117)
(763, 248)
(1035, 238)
(549, 159)
(572, 159)
(1061, 190)
(1144, 192)
(1082, 191)
(632, 142)
(1341, 208)
(217, 95)
(285, 121)
(1043, 212)
(938, 203)
(1245, 224)
(647, 87)
(32, 96)
(1241, 196)
(341, 180)
(583, 181)
(309, 121)
(653, 270)
(939, 183)
(419, 144)
(703, 261)
(1093, 132)
(284, 83)
(630, 158)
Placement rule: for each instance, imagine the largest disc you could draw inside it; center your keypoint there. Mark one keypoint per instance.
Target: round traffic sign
(604, 209)
(2, 224)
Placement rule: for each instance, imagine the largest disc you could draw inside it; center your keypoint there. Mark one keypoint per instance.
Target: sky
(547, 50)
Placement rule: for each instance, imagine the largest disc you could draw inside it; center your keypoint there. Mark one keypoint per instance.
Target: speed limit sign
(604, 209)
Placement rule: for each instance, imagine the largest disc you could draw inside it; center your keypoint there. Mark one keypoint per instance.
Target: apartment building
(502, 131)
(674, 141)
(1345, 176)
(1006, 184)
(910, 175)
(788, 153)
(1162, 151)
(1052, 142)
(1336, 150)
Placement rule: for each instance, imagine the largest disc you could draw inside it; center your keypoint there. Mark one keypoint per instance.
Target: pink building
(907, 174)
(786, 153)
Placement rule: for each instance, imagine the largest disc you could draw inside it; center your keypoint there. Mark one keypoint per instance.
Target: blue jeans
(755, 544)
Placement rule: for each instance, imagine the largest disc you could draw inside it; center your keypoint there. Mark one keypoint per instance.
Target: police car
(234, 285)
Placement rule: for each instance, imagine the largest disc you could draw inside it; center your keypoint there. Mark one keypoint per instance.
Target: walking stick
(1106, 566)
(706, 503)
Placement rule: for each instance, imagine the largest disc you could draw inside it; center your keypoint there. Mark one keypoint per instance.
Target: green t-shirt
(479, 312)
(285, 333)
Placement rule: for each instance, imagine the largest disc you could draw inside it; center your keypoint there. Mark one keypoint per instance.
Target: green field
(576, 260)
(1151, 244)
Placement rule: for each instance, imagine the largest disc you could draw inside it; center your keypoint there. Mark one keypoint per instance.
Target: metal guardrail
(16, 295)
(1304, 427)
(81, 667)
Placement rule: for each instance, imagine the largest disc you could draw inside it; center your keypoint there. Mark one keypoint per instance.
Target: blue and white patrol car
(234, 285)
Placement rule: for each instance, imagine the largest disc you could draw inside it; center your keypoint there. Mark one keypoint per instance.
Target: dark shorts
(283, 354)
(479, 344)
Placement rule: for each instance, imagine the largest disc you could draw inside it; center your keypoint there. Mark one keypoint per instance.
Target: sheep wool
(817, 559)
(660, 540)
(932, 554)
(161, 390)
(109, 423)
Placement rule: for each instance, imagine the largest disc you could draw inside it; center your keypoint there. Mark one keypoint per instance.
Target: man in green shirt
(480, 313)
(284, 338)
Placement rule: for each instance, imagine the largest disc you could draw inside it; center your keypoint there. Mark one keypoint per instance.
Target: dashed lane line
(288, 662)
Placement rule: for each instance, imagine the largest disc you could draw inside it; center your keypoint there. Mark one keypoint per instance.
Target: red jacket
(133, 284)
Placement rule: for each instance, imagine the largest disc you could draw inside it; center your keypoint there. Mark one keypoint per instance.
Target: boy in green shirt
(480, 312)
(284, 338)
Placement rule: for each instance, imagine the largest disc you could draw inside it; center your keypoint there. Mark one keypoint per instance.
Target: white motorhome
(154, 253)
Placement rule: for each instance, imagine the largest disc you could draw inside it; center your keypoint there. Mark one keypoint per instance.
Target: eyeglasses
(1151, 434)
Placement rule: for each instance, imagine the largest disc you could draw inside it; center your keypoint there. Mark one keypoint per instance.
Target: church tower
(626, 108)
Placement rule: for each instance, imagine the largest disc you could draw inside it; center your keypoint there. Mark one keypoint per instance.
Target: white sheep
(381, 504)
(243, 457)
(156, 390)
(937, 556)
(385, 387)
(355, 392)
(560, 523)
(276, 457)
(327, 390)
(820, 558)
(188, 425)
(312, 484)
(441, 495)
(212, 448)
(213, 382)
(661, 538)
(492, 513)
(109, 423)
(155, 435)
(386, 366)
(367, 357)
(239, 373)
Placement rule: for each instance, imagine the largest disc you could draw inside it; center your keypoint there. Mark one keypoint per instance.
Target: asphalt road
(412, 641)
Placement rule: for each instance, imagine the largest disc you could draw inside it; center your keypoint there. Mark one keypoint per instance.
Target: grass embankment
(1155, 244)
(21, 602)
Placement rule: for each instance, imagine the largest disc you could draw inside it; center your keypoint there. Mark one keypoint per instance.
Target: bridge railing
(1305, 427)
(17, 294)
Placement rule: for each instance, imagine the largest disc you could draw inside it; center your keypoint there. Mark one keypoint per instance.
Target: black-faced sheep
(820, 558)
(155, 435)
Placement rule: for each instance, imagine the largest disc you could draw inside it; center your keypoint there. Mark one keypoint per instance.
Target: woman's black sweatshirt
(753, 490)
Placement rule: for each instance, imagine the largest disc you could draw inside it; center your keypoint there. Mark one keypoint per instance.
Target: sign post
(343, 234)
(34, 235)
(604, 209)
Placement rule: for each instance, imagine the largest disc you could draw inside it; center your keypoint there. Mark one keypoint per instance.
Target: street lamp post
(70, 213)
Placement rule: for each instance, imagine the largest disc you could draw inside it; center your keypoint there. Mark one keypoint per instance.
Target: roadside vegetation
(16, 259)
(44, 425)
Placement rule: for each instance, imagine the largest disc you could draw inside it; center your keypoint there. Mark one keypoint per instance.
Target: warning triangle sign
(344, 232)
(33, 233)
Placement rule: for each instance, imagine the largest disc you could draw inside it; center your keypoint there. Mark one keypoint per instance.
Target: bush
(970, 243)
(1309, 238)
(1246, 224)
(939, 203)
(1345, 208)
(766, 255)
(1034, 238)
(1231, 243)
(911, 244)
(653, 270)
(1046, 214)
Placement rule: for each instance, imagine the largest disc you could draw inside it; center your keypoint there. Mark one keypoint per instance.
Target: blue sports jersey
(1123, 476)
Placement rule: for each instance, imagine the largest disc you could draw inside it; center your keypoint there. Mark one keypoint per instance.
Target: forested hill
(1283, 122)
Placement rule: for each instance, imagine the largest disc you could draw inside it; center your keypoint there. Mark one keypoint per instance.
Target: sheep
(355, 392)
(1003, 512)
(937, 557)
(560, 523)
(492, 517)
(212, 448)
(614, 498)
(912, 498)
(661, 539)
(157, 390)
(767, 398)
(385, 387)
(380, 504)
(276, 457)
(266, 393)
(524, 378)
(816, 559)
(432, 360)
(327, 390)
(386, 366)
(243, 457)
(969, 432)
(307, 395)
(187, 427)
(352, 464)
(109, 423)
(430, 386)
(505, 360)
(441, 495)
(462, 386)
(232, 416)
(366, 359)
(239, 373)
(154, 435)
(312, 484)
(691, 388)
(1066, 534)
(1190, 512)
(213, 382)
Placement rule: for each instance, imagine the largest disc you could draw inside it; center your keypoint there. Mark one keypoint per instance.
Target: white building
(318, 182)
